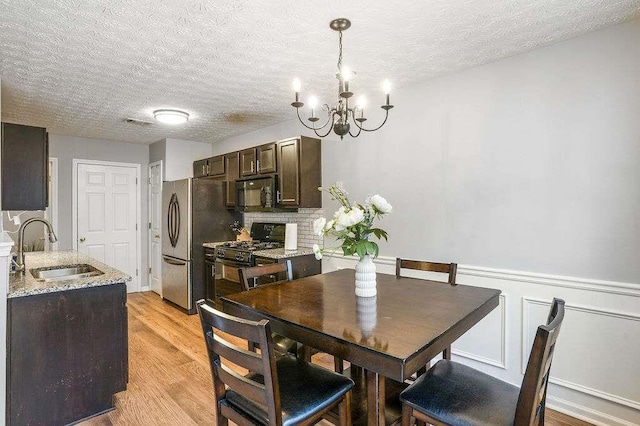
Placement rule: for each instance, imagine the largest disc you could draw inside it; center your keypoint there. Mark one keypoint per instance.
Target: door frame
(74, 209)
(149, 234)
(51, 212)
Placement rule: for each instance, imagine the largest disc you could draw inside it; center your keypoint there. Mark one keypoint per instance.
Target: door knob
(157, 235)
(82, 239)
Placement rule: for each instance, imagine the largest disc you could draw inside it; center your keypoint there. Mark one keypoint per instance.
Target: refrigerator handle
(173, 220)
(172, 261)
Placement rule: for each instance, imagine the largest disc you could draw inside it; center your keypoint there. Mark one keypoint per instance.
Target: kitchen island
(67, 340)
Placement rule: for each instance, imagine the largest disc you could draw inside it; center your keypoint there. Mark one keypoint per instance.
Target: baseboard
(586, 414)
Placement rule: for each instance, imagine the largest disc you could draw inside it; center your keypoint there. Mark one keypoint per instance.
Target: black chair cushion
(305, 389)
(459, 395)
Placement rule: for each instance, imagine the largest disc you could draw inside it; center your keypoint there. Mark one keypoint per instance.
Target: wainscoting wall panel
(595, 372)
(487, 341)
(614, 332)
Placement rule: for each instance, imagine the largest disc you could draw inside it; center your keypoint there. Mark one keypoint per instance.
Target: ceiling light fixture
(342, 114)
(171, 116)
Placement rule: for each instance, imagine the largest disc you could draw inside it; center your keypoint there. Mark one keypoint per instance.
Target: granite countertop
(282, 253)
(271, 253)
(26, 285)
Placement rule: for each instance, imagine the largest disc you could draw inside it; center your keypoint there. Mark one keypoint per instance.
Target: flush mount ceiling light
(342, 114)
(171, 116)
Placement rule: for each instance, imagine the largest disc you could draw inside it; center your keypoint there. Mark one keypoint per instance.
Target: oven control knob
(239, 257)
(220, 253)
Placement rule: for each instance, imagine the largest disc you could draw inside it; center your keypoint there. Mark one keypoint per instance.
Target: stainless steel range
(238, 254)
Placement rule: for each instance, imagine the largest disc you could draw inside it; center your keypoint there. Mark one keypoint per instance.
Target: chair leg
(344, 409)
(446, 354)
(338, 365)
(406, 415)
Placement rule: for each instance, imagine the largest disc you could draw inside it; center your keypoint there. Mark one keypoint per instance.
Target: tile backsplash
(303, 217)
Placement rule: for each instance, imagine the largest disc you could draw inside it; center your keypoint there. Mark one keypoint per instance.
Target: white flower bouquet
(353, 224)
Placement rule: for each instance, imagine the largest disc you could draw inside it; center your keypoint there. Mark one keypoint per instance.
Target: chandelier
(341, 116)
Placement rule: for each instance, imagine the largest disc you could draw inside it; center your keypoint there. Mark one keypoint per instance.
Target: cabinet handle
(82, 239)
(208, 170)
(278, 197)
(251, 166)
(257, 166)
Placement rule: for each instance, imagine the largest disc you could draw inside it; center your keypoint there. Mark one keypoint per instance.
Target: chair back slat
(532, 398)
(238, 327)
(235, 354)
(222, 350)
(250, 389)
(421, 265)
(248, 275)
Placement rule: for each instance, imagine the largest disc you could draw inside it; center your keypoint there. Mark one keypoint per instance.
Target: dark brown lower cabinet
(67, 354)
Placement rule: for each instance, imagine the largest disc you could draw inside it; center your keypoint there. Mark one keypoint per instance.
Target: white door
(155, 222)
(106, 218)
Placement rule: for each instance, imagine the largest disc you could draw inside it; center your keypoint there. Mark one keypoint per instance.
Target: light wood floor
(169, 376)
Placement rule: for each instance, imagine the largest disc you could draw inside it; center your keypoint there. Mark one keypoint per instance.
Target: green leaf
(379, 233)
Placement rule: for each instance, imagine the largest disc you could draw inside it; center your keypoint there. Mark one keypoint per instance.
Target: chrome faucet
(52, 238)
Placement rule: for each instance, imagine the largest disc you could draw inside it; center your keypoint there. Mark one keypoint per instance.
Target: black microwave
(258, 194)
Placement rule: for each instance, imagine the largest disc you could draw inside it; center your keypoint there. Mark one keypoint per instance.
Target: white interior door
(106, 216)
(155, 222)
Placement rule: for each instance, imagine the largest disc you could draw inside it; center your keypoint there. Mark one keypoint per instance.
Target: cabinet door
(233, 173)
(289, 172)
(216, 166)
(248, 162)
(200, 168)
(25, 167)
(266, 158)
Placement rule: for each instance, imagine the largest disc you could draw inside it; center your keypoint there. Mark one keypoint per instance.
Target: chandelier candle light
(340, 116)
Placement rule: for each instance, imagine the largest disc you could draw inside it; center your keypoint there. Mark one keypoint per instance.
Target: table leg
(375, 398)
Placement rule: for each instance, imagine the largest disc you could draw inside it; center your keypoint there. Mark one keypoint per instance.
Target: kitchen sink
(66, 272)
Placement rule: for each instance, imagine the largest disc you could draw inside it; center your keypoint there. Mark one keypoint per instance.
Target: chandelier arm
(309, 127)
(372, 130)
(357, 134)
(326, 134)
(315, 129)
(353, 116)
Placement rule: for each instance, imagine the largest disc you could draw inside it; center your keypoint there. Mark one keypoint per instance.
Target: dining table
(385, 338)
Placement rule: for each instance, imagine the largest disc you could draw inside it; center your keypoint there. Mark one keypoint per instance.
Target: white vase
(367, 314)
(366, 277)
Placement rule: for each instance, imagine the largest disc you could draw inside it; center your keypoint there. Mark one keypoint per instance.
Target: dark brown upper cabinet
(25, 167)
(200, 168)
(209, 167)
(258, 160)
(233, 172)
(299, 157)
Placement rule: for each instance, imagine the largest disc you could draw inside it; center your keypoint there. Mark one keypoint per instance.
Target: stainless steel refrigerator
(193, 212)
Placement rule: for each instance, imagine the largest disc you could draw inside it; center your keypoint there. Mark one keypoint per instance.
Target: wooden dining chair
(284, 392)
(421, 265)
(249, 277)
(454, 394)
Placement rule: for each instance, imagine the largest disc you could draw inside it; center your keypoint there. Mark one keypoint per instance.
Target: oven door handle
(171, 261)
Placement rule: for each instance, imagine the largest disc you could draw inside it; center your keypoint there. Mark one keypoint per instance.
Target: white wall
(180, 155)
(67, 148)
(525, 172)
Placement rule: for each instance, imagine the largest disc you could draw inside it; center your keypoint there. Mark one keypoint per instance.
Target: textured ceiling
(80, 67)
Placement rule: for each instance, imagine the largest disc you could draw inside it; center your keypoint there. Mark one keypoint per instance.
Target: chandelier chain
(340, 54)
